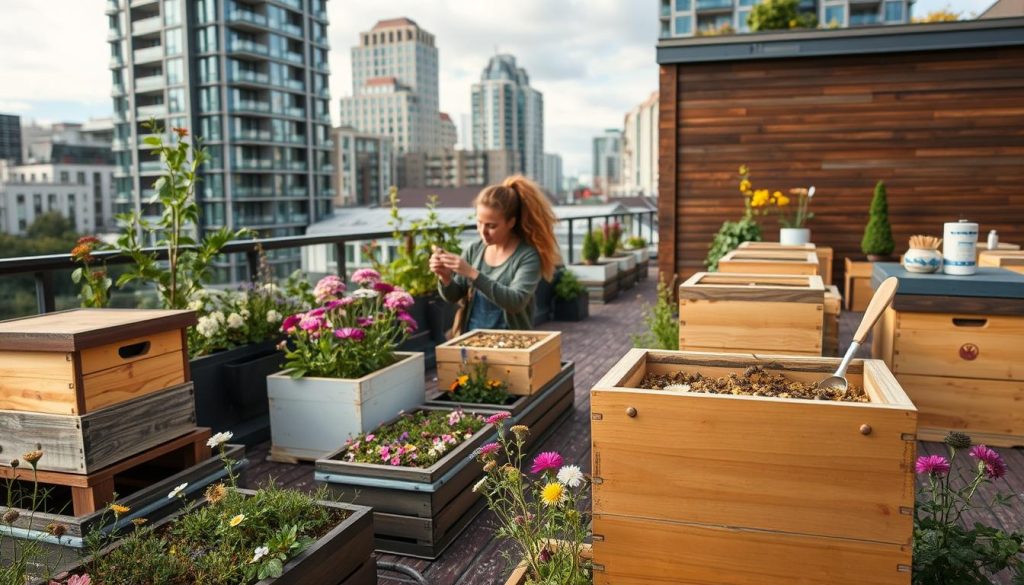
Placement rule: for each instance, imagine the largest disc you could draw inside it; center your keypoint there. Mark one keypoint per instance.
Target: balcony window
(835, 14)
(172, 41)
(175, 71)
(894, 12)
(741, 21)
(682, 25)
(683, 5)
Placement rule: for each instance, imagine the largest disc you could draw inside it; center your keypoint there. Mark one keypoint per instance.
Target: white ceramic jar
(960, 248)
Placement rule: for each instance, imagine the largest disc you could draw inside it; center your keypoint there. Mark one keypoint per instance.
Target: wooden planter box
(417, 511)
(231, 390)
(627, 269)
(343, 556)
(521, 572)
(601, 279)
(87, 443)
(524, 370)
(310, 417)
(577, 309)
(857, 292)
(80, 361)
(830, 327)
(777, 491)
(143, 488)
(1010, 260)
(751, 313)
(755, 261)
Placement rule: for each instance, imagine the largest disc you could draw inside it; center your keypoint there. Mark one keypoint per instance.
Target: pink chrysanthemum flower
(290, 322)
(328, 287)
(936, 464)
(548, 460)
(353, 333)
(410, 322)
(366, 276)
(398, 300)
(995, 467)
(498, 416)
(383, 287)
(489, 449)
(311, 323)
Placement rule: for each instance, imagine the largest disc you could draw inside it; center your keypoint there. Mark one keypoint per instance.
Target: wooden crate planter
(957, 354)
(343, 556)
(80, 361)
(857, 288)
(600, 279)
(311, 417)
(142, 487)
(830, 327)
(417, 511)
(777, 491)
(524, 370)
(1010, 260)
(231, 390)
(521, 572)
(751, 313)
(754, 261)
(88, 443)
(627, 269)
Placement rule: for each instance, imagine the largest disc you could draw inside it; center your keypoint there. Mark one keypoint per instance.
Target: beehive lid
(83, 328)
(987, 282)
(724, 286)
(776, 246)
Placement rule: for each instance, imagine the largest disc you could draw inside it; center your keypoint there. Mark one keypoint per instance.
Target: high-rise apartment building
(687, 18)
(640, 149)
(553, 174)
(365, 167)
(607, 161)
(395, 86)
(456, 168)
(448, 134)
(10, 137)
(250, 77)
(508, 114)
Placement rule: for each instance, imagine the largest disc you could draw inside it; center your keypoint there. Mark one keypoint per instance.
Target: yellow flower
(552, 494)
(744, 170)
(216, 493)
(760, 198)
(494, 383)
(139, 521)
(781, 199)
(236, 520)
(745, 185)
(463, 380)
(118, 509)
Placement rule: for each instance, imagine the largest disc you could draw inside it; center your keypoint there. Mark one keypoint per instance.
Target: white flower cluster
(219, 439)
(273, 316)
(177, 491)
(209, 325)
(235, 321)
(365, 293)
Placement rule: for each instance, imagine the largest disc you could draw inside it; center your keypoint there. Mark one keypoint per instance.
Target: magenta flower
(339, 303)
(489, 449)
(364, 321)
(329, 287)
(410, 324)
(317, 312)
(289, 323)
(398, 300)
(498, 416)
(353, 333)
(366, 276)
(936, 464)
(311, 323)
(79, 580)
(995, 467)
(548, 460)
(383, 287)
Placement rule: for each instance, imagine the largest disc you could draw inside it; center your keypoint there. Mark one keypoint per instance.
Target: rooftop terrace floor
(476, 558)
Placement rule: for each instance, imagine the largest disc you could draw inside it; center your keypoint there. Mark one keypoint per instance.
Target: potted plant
(734, 233)
(601, 278)
(343, 374)
(571, 302)
(793, 218)
(610, 240)
(877, 243)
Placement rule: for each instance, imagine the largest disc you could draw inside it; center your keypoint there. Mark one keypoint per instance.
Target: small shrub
(878, 233)
(591, 249)
(610, 237)
(636, 243)
(568, 286)
(661, 324)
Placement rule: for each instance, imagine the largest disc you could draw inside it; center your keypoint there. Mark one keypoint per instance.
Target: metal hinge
(908, 437)
(596, 480)
(596, 416)
(597, 567)
(598, 537)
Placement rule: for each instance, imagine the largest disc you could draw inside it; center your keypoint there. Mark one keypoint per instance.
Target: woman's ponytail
(520, 198)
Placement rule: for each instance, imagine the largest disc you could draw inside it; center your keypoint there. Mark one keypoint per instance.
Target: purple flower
(398, 300)
(548, 460)
(404, 436)
(383, 287)
(489, 449)
(410, 324)
(995, 467)
(936, 464)
(498, 416)
(353, 333)
(289, 323)
(366, 276)
(329, 287)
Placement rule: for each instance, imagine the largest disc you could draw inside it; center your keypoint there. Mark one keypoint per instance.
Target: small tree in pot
(877, 243)
(571, 300)
(591, 249)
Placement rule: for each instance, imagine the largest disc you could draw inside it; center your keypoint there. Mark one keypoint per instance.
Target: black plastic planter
(577, 309)
(231, 390)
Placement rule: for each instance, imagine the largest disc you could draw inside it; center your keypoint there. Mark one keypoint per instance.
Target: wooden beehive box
(776, 246)
(755, 313)
(830, 328)
(766, 261)
(524, 370)
(1008, 259)
(776, 491)
(76, 362)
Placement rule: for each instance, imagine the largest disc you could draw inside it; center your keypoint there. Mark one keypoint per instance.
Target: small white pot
(793, 236)
(922, 260)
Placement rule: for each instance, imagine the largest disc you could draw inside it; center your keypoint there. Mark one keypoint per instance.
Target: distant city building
(607, 161)
(10, 137)
(91, 139)
(1004, 9)
(395, 86)
(465, 129)
(251, 79)
(687, 18)
(508, 114)
(80, 187)
(456, 168)
(449, 135)
(364, 167)
(553, 174)
(640, 149)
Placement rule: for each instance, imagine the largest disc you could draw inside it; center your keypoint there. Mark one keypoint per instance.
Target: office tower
(508, 114)
(553, 174)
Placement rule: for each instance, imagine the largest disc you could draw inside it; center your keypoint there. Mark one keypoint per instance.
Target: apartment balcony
(141, 3)
(251, 106)
(148, 55)
(150, 167)
(150, 83)
(324, 92)
(666, 11)
(322, 42)
(291, 29)
(322, 67)
(252, 220)
(250, 77)
(251, 135)
(247, 17)
(122, 116)
(245, 46)
(117, 90)
(294, 112)
(290, 138)
(320, 15)
(252, 192)
(153, 111)
(112, 7)
(294, 84)
(118, 144)
(327, 168)
(254, 164)
(114, 34)
(328, 192)
(714, 5)
(293, 165)
(296, 58)
(296, 4)
(296, 191)
(115, 62)
(121, 173)
(147, 25)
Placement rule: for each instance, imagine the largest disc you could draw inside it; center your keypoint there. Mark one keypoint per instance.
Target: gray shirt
(510, 285)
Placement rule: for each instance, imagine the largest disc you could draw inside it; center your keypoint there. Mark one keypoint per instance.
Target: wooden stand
(1010, 260)
(768, 261)
(857, 289)
(830, 328)
(524, 370)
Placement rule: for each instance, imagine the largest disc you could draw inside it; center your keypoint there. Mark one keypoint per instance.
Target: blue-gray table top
(987, 282)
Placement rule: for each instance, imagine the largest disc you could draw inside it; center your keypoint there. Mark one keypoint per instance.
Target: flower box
(310, 417)
(520, 573)
(752, 313)
(81, 361)
(231, 390)
(601, 279)
(824, 254)
(777, 490)
(755, 261)
(417, 511)
(143, 488)
(343, 556)
(627, 268)
(525, 370)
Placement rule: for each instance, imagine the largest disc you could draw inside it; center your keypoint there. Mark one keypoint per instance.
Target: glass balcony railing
(244, 46)
(320, 15)
(243, 191)
(292, 29)
(293, 165)
(250, 106)
(117, 89)
(322, 41)
(296, 4)
(714, 4)
(323, 67)
(294, 112)
(149, 83)
(295, 84)
(113, 6)
(328, 168)
(146, 25)
(152, 111)
(255, 163)
(250, 77)
(291, 139)
(329, 192)
(148, 54)
(247, 16)
(296, 191)
(252, 135)
(666, 10)
(151, 166)
(293, 57)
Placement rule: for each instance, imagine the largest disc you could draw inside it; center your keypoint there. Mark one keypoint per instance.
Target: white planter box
(603, 271)
(312, 417)
(641, 254)
(626, 261)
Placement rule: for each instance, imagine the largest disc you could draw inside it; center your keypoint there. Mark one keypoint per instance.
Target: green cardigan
(510, 286)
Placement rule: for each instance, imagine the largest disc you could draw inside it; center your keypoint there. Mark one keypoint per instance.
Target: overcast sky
(593, 60)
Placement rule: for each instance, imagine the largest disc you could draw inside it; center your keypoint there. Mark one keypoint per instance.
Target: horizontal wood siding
(943, 129)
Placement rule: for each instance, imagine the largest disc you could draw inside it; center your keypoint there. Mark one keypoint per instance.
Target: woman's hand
(456, 264)
(437, 267)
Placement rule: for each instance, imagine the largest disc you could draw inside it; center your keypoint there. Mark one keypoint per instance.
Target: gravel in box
(501, 340)
(754, 381)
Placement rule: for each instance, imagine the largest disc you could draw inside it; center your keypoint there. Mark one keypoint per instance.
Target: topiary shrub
(591, 249)
(877, 240)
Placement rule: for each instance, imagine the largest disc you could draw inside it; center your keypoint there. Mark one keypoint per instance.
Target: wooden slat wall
(943, 129)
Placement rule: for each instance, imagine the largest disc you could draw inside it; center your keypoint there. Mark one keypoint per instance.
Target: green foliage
(95, 283)
(569, 286)
(417, 439)
(610, 235)
(877, 238)
(476, 387)
(23, 558)
(636, 243)
(411, 268)
(946, 550)
(591, 248)
(779, 15)
(188, 264)
(51, 225)
(660, 322)
(729, 237)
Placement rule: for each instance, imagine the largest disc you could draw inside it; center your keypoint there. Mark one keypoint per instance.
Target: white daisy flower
(273, 316)
(219, 439)
(261, 551)
(479, 484)
(235, 321)
(570, 475)
(177, 491)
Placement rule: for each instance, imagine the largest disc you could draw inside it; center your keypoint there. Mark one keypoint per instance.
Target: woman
(498, 275)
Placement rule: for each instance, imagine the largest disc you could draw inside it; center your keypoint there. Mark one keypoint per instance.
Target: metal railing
(41, 268)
